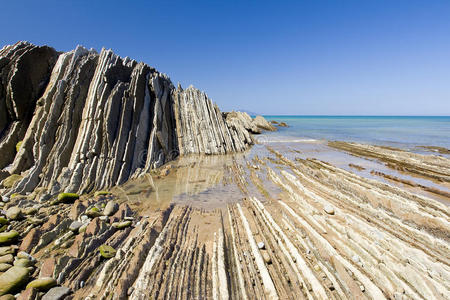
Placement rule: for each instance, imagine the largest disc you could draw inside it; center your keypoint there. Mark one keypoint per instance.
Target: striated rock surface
(83, 120)
(201, 128)
(24, 73)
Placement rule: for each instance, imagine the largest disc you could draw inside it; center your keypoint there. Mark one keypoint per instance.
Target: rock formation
(24, 73)
(83, 120)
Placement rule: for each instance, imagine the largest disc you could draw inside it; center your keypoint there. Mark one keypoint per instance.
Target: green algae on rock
(107, 251)
(8, 237)
(101, 193)
(66, 198)
(121, 225)
(13, 279)
(23, 262)
(18, 145)
(93, 212)
(11, 180)
(42, 284)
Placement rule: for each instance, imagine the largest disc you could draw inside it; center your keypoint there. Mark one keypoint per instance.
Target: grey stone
(13, 213)
(75, 225)
(56, 293)
(110, 208)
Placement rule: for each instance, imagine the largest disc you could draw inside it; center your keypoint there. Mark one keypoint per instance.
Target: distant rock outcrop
(83, 120)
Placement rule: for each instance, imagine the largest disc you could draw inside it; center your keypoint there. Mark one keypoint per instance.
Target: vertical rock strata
(24, 72)
(202, 128)
(90, 120)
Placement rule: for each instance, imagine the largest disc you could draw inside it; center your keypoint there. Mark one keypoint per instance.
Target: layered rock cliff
(83, 120)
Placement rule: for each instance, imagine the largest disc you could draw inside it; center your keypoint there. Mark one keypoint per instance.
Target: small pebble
(329, 209)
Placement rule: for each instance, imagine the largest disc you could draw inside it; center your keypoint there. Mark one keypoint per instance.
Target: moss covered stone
(107, 251)
(66, 198)
(101, 193)
(8, 237)
(9, 181)
(18, 145)
(13, 279)
(93, 212)
(42, 284)
(23, 262)
(121, 225)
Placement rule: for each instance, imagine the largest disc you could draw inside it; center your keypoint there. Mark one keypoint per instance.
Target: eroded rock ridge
(83, 120)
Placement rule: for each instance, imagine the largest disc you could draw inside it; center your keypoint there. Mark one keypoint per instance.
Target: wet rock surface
(307, 230)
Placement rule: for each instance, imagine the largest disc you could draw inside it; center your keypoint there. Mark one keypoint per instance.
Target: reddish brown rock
(51, 223)
(93, 227)
(47, 267)
(30, 240)
(77, 209)
(28, 294)
(123, 211)
(75, 248)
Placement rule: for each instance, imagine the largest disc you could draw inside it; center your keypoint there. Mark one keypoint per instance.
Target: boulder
(262, 123)
(42, 284)
(75, 225)
(13, 279)
(110, 208)
(4, 266)
(23, 262)
(107, 251)
(28, 294)
(93, 212)
(76, 210)
(30, 240)
(121, 225)
(56, 293)
(6, 250)
(66, 198)
(8, 237)
(11, 180)
(13, 213)
(7, 259)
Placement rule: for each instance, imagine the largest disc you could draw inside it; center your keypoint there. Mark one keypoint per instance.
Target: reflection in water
(197, 180)
(210, 181)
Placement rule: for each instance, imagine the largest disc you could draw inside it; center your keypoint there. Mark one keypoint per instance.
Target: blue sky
(269, 57)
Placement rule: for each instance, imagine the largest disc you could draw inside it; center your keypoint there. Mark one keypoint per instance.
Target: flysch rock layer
(24, 73)
(89, 120)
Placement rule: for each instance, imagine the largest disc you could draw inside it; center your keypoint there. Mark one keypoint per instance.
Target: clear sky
(270, 57)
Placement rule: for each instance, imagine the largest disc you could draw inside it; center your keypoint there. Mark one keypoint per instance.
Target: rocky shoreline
(293, 228)
(83, 121)
(111, 190)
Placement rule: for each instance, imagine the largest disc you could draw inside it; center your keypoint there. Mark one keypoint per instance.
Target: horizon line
(312, 115)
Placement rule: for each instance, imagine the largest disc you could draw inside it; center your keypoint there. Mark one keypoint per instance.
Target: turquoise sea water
(403, 132)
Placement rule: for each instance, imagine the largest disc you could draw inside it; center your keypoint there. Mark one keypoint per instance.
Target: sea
(406, 132)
